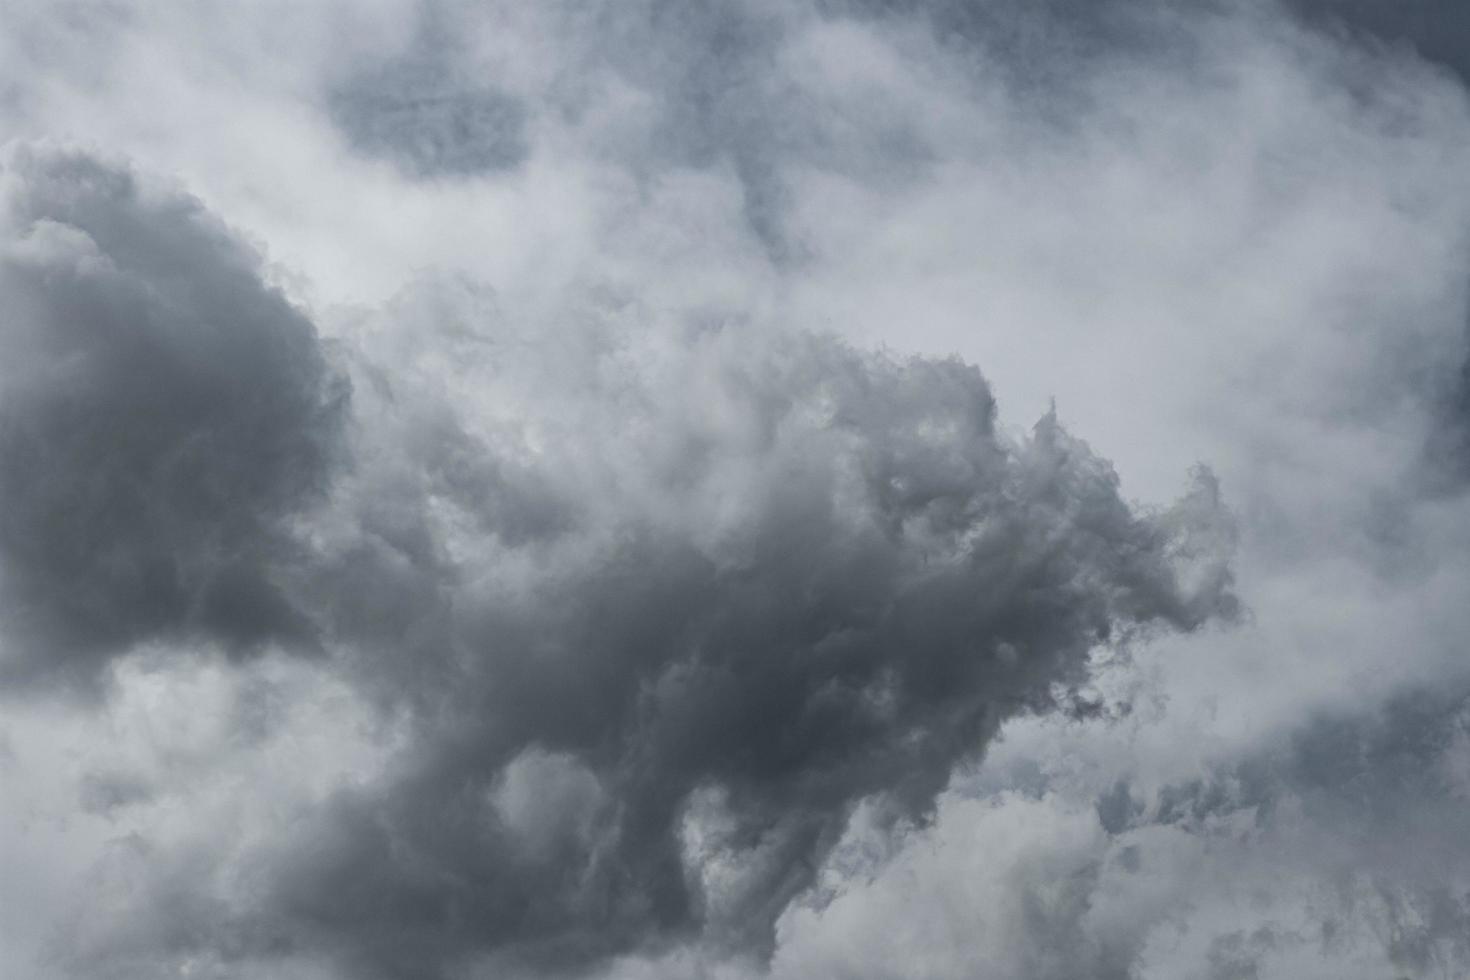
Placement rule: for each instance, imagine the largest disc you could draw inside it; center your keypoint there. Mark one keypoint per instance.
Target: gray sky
(921, 489)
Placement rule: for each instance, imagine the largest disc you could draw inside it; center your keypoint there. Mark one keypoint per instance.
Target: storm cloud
(868, 489)
(164, 412)
(660, 603)
(767, 580)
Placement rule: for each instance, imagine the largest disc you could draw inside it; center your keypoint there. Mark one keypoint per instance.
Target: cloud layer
(660, 604)
(491, 491)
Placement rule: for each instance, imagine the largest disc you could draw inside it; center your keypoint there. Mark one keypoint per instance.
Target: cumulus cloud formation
(491, 490)
(164, 412)
(704, 587)
(723, 590)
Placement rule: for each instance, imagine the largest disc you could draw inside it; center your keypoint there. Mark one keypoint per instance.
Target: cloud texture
(659, 607)
(164, 413)
(512, 491)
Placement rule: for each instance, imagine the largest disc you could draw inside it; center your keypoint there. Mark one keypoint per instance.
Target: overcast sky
(811, 489)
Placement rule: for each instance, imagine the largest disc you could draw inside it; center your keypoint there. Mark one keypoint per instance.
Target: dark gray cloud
(1050, 39)
(660, 605)
(631, 616)
(1439, 30)
(162, 412)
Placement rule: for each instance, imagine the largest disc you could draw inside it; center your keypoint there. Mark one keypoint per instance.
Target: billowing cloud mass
(164, 412)
(873, 490)
(726, 590)
(659, 607)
